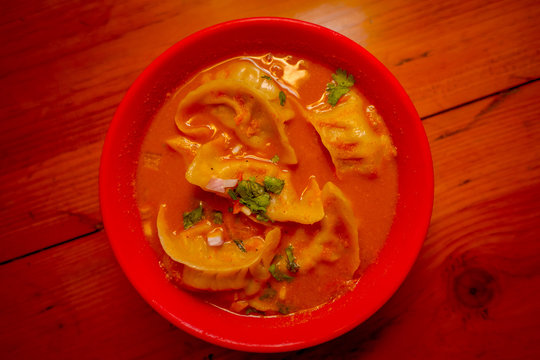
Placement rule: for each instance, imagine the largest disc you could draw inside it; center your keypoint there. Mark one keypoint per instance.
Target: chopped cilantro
(240, 244)
(282, 98)
(341, 85)
(273, 184)
(249, 189)
(253, 195)
(266, 77)
(292, 266)
(218, 217)
(268, 293)
(275, 159)
(193, 217)
(232, 194)
(262, 217)
(343, 79)
(278, 275)
(251, 310)
(283, 309)
(257, 204)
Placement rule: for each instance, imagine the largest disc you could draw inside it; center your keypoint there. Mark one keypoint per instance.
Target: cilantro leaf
(292, 266)
(278, 275)
(253, 195)
(335, 93)
(342, 78)
(263, 217)
(268, 293)
(262, 201)
(249, 189)
(341, 85)
(273, 184)
(282, 98)
(251, 310)
(232, 194)
(283, 309)
(259, 203)
(217, 218)
(240, 244)
(275, 159)
(193, 217)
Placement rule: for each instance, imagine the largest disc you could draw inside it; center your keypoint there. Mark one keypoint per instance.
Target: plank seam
(500, 92)
(50, 247)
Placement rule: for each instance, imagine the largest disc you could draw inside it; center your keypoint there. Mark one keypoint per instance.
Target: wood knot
(474, 287)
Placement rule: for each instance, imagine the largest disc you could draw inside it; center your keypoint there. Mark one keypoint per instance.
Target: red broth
(161, 180)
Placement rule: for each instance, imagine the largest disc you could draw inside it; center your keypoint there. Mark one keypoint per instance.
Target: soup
(267, 184)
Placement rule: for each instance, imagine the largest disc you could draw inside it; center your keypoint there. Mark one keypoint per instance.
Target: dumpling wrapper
(338, 237)
(216, 267)
(287, 206)
(216, 280)
(244, 106)
(354, 135)
(190, 247)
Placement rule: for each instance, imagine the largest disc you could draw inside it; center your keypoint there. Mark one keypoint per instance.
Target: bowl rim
(114, 195)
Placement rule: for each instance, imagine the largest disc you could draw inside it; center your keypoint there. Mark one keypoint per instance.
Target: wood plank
(447, 53)
(472, 293)
(50, 202)
(66, 65)
(73, 300)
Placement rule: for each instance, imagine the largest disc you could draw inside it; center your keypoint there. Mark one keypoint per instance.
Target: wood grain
(74, 300)
(471, 294)
(66, 65)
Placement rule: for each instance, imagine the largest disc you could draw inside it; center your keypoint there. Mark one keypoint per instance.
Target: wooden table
(472, 71)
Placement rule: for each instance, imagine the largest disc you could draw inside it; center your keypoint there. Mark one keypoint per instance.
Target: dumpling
(306, 209)
(215, 280)
(216, 267)
(355, 136)
(212, 162)
(249, 277)
(338, 237)
(336, 241)
(245, 103)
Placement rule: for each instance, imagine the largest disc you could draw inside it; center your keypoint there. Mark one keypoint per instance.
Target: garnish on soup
(340, 86)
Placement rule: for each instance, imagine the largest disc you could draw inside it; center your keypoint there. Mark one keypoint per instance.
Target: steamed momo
(355, 136)
(243, 102)
(216, 268)
(212, 162)
(259, 201)
(338, 237)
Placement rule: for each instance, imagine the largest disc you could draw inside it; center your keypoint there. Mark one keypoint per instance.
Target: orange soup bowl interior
(122, 219)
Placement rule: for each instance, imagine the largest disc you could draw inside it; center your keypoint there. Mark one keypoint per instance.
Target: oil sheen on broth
(259, 195)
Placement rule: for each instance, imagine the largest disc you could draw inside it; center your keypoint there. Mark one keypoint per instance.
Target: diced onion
(219, 185)
(236, 149)
(229, 183)
(215, 240)
(245, 210)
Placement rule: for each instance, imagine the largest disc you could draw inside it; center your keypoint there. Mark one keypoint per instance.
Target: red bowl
(122, 219)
